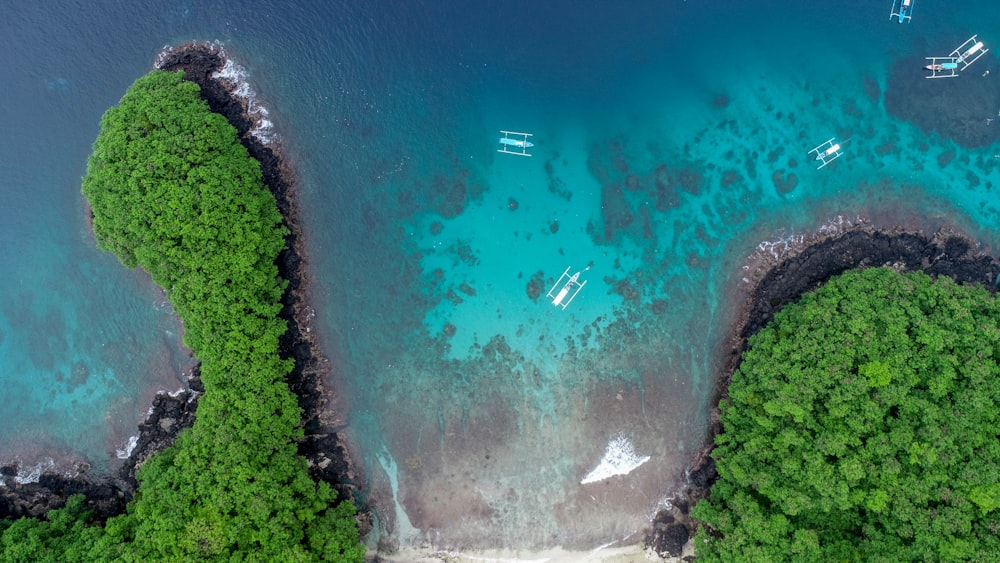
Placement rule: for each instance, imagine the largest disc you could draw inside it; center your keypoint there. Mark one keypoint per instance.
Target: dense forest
(174, 192)
(861, 425)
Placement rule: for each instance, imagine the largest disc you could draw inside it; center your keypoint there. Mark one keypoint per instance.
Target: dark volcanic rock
(671, 540)
(170, 415)
(324, 448)
(105, 496)
(704, 475)
(944, 254)
(668, 536)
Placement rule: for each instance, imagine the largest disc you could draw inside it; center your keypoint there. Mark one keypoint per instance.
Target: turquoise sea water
(667, 134)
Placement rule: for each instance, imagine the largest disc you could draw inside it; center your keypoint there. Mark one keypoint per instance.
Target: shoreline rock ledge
(780, 281)
(324, 446)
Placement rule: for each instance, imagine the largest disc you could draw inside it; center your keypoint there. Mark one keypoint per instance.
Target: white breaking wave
(774, 251)
(31, 474)
(235, 76)
(784, 246)
(619, 459)
(126, 452)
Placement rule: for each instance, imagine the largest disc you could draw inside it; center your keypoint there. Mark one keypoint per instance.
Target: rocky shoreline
(323, 446)
(782, 281)
(107, 496)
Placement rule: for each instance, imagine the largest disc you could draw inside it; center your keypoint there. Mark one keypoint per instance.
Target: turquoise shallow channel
(671, 150)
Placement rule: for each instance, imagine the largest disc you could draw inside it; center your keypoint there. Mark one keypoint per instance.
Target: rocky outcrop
(324, 447)
(50, 491)
(945, 254)
(34, 495)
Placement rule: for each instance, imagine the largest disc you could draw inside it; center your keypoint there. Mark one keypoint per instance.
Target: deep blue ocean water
(665, 133)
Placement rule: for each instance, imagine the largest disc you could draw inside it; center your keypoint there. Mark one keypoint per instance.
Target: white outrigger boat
(941, 67)
(827, 152)
(902, 9)
(512, 141)
(568, 286)
(959, 59)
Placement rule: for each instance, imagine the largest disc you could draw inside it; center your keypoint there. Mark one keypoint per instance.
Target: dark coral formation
(872, 90)
(450, 194)
(784, 183)
(535, 285)
(962, 109)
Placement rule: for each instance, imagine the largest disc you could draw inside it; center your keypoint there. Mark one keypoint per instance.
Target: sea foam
(619, 459)
(771, 252)
(126, 452)
(234, 76)
(30, 474)
(793, 244)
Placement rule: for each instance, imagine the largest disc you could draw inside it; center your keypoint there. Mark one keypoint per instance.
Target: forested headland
(861, 425)
(173, 191)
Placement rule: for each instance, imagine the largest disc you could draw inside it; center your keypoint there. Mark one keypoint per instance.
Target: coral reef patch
(962, 109)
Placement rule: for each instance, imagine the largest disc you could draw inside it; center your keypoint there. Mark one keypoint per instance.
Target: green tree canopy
(862, 426)
(172, 190)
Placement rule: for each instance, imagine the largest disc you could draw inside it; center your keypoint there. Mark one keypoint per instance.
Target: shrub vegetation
(862, 425)
(173, 191)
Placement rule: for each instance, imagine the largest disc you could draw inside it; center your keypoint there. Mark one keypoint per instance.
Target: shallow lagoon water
(665, 163)
(671, 142)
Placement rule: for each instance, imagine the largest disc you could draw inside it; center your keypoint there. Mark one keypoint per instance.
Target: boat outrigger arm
(513, 142)
(972, 46)
(941, 67)
(568, 287)
(902, 9)
(827, 152)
